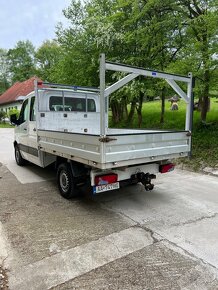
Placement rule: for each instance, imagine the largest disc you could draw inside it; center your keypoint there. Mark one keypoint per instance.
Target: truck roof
(63, 90)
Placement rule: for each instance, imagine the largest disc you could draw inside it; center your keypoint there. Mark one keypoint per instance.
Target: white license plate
(107, 187)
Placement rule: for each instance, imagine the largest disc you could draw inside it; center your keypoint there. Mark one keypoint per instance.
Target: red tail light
(105, 179)
(166, 168)
(40, 83)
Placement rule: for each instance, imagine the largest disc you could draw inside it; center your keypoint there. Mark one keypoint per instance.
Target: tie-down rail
(132, 73)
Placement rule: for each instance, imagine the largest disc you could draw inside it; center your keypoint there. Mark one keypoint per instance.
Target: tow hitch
(145, 179)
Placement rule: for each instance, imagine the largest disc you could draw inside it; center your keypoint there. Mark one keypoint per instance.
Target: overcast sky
(34, 20)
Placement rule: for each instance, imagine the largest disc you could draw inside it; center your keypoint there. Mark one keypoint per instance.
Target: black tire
(66, 182)
(18, 158)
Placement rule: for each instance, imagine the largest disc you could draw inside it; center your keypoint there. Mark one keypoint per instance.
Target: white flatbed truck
(68, 126)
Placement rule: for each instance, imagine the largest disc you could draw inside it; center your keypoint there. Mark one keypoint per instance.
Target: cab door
(22, 130)
(32, 140)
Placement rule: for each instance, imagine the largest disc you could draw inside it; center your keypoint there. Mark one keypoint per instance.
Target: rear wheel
(19, 159)
(66, 182)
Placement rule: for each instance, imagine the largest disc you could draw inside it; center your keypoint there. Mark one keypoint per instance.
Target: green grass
(204, 138)
(6, 125)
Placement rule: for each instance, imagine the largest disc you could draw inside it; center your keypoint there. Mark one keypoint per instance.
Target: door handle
(34, 129)
(25, 129)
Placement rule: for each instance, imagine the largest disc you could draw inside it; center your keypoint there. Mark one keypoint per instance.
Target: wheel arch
(77, 169)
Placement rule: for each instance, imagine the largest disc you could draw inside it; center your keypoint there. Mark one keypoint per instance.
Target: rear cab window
(72, 104)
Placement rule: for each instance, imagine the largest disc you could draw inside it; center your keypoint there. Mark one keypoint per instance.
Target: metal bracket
(119, 84)
(178, 90)
(106, 139)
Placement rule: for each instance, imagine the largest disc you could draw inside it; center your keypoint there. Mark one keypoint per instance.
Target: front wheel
(66, 182)
(19, 159)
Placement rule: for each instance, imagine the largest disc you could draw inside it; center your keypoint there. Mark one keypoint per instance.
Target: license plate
(106, 187)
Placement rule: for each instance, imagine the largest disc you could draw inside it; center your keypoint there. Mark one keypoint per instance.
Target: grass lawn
(6, 125)
(204, 138)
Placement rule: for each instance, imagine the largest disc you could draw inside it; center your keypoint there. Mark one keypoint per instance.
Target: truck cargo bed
(120, 147)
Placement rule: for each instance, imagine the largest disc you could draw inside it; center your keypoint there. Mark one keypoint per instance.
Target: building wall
(7, 107)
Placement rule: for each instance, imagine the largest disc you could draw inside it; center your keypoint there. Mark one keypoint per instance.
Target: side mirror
(14, 120)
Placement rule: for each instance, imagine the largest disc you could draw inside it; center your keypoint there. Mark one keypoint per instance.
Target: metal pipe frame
(36, 102)
(75, 88)
(102, 95)
(134, 72)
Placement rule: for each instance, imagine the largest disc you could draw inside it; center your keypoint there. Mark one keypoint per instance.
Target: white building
(13, 97)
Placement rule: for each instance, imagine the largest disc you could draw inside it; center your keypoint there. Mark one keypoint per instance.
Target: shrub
(13, 112)
(3, 115)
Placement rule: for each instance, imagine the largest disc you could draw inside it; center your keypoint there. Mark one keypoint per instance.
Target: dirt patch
(185, 164)
(3, 279)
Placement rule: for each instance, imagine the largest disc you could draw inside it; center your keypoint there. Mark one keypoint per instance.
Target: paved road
(128, 239)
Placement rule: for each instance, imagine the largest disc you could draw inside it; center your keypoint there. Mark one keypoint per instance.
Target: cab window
(91, 105)
(24, 112)
(32, 109)
(71, 104)
(56, 103)
(75, 104)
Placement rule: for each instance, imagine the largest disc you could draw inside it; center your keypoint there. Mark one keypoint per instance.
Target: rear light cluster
(105, 179)
(166, 168)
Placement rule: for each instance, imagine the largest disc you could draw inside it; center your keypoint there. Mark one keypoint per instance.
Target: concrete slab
(6, 144)
(183, 208)
(25, 174)
(154, 267)
(39, 222)
(198, 237)
(69, 264)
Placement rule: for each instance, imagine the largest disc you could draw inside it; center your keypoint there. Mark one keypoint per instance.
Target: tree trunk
(205, 59)
(125, 109)
(131, 112)
(205, 98)
(162, 105)
(199, 107)
(115, 113)
(139, 109)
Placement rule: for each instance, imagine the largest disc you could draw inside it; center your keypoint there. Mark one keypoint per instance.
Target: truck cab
(56, 110)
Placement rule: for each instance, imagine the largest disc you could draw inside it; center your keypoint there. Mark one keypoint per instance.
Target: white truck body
(71, 124)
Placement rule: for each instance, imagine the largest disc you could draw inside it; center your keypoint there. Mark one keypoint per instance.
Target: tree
(21, 61)
(200, 25)
(4, 73)
(79, 62)
(175, 36)
(137, 33)
(47, 57)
